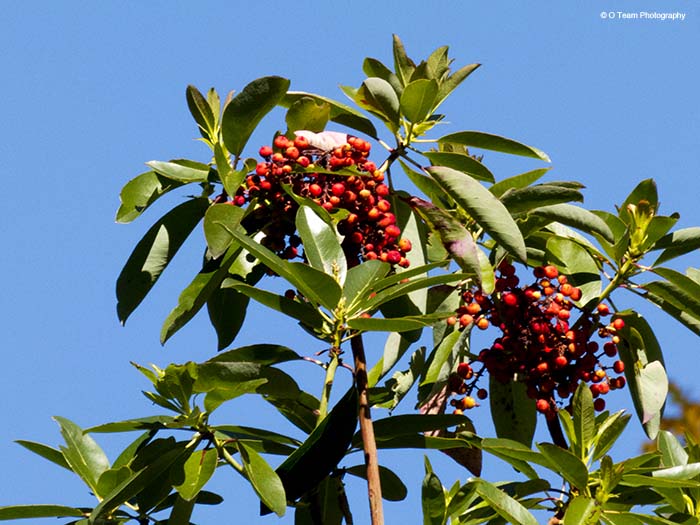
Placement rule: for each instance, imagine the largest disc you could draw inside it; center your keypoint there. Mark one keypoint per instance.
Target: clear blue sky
(92, 90)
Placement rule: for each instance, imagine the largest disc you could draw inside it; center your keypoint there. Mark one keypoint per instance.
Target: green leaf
(262, 354)
(388, 427)
(197, 293)
(638, 480)
(583, 421)
(515, 453)
(677, 243)
(322, 450)
(309, 114)
(582, 511)
(359, 281)
(230, 178)
(219, 219)
(460, 162)
(140, 192)
(514, 415)
(242, 115)
(393, 489)
(443, 357)
(403, 65)
(456, 239)
(377, 96)
(644, 191)
(608, 433)
(301, 411)
(576, 217)
(46, 452)
(644, 370)
(198, 469)
(313, 284)
(688, 471)
(433, 498)
(448, 85)
(374, 68)
(393, 324)
(564, 463)
(201, 111)
(418, 99)
(532, 197)
(140, 480)
(129, 425)
(82, 453)
(154, 252)
(518, 181)
(487, 141)
(298, 310)
(577, 264)
(339, 113)
(227, 308)
(111, 478)
(486, 209)
(19, 512)
(507, 507)
(672, 452)
(182, 171)
(680, 290)
(321, 246)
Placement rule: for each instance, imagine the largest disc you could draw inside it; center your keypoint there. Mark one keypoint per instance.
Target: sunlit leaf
(486, 209)
(265, 481)
(418, 99)
(82, 453)
(308, 113)
(460, 162)
(140, 192)
(340, 113)
(19, 512)
(242, 115)
(487, 141)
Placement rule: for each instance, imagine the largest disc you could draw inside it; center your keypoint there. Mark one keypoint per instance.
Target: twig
(369, 445)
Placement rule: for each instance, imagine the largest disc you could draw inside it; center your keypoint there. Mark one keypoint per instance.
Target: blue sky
(91, 91)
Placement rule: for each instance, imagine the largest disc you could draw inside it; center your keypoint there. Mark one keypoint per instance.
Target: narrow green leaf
(301, 411)
(582, 511)
(130, 425)
(680, 290)
(20, 512)
(564, 463)
(219, 219)
(518, 181)
(413, 424)
(359, 281)
(608, 433)
(201, 111)
(448, 85)
(507, 507)
(140, 192)
(111, 478)
(181, 511)
(339, 113)
(263, 354)
(583, 421)
(403, 65)
(179, 172)
(418, 99)
(242, 115)
(321, 246)
(393, 489)
(139, 481)
(487, 141)
(377, 96)
(46, 452)
(577, 264)
(513, 413)
(296, 309)
(393, 324)
(313, 284)
(672, 452)
(644, 191)
(82, 453)
(197, 293)
(576, 217)
(531, 198)
(677, 243)
(154, 252)
(374, 68)
(688, 471)
(486, 209)
(644, 370)
(433, 499)
(442, 357)
(322, 450)
(460, 162)
(309, 114)
(227, 309)
(198, 469)
(638, 480)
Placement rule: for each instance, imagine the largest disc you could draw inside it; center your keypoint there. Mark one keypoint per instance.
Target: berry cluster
(368, 225)
(541, 345)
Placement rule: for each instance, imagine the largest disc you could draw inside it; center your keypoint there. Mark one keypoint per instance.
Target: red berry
(464, 370)
(619, 367)
(510, 299)
(405, 245)
(261, 168)
(618, 324)
(551, 272)
(599, 404)
(292, 153)
(542, 405)
(265, 151)
(301, 142)
(465, 320)
(392, 230)
(281, 142)
(482, 393)
(603, 309)
(315, 190)
(338, 189)
(561, 361)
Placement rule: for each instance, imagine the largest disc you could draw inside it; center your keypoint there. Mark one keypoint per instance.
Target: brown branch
(369, 445)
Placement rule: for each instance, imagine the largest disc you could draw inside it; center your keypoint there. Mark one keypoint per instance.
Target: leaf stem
(369, 444)
(331, 367)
